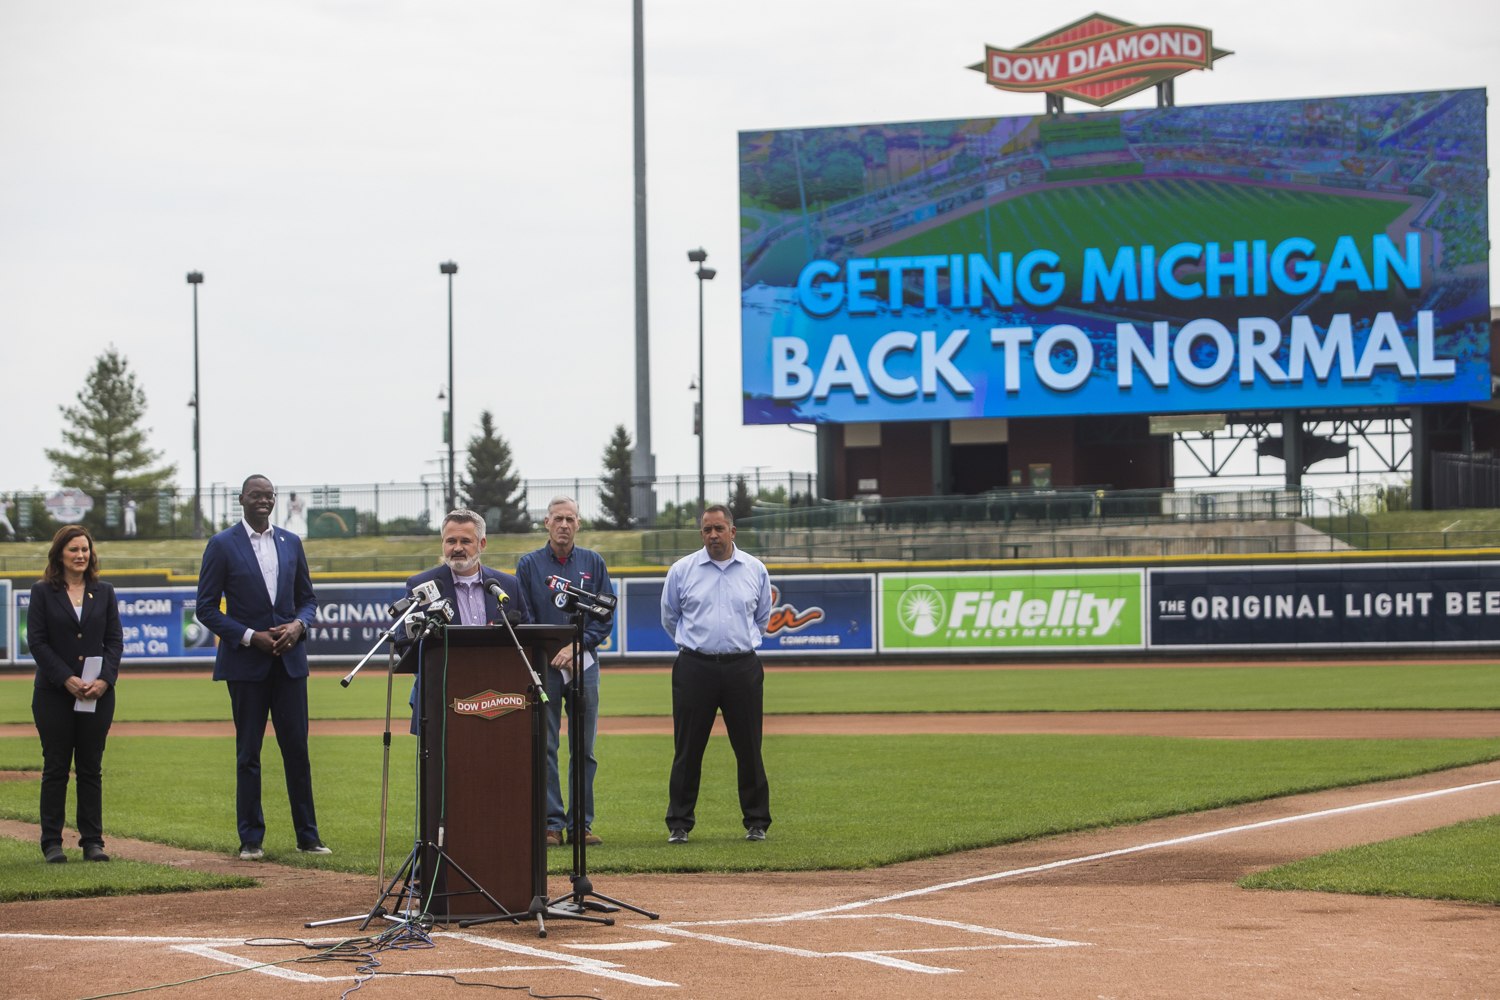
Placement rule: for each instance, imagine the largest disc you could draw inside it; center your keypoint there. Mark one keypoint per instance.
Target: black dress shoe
(678, 837)
(94, 853)
(756, 833)
(55, 855)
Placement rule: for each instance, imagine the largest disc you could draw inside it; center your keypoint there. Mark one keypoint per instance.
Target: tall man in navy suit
(260, 573)
(462, 581)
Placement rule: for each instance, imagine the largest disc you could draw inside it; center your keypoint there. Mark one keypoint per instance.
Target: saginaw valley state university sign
(489, 704)
(1100, 59)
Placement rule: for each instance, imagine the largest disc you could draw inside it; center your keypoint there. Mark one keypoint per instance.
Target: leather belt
(719, 657)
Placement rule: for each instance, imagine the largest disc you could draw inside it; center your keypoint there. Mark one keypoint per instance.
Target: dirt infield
(1341, 725)
(1139, 911)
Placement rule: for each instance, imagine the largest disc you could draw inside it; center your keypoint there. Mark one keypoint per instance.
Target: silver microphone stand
(389, 635)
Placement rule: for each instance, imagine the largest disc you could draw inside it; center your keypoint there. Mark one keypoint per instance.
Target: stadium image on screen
(1328, 252)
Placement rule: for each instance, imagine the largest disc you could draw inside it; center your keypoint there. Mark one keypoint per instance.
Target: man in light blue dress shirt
(716, 605)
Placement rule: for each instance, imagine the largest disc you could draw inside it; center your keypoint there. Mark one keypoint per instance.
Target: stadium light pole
(642, 462)
(195, 278)
(698, 256)
(450, 269)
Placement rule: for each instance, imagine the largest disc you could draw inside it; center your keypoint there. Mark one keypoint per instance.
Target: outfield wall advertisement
(7, 614)
(1408, 604)
(1000, 611)
(1329, 252)
(811, 615)
(1273, 607)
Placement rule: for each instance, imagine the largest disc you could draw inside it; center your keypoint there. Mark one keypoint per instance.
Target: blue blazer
(444, 577)
(231, 572)
(60, 640)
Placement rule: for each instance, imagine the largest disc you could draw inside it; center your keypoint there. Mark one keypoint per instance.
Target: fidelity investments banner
(1061, 609)
(1307, 253)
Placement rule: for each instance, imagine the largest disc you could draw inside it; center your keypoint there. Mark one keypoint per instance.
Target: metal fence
(1042, 510)
(349, 510)
(1465, 480)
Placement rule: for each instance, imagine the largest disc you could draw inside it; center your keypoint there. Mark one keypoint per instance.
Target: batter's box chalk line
(882, 956)
(215, 950)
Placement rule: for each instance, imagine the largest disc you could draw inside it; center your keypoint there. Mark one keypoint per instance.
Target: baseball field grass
(626, 692)
(24, 875)
(838, 801)
(1453, 862)
(1070, 219)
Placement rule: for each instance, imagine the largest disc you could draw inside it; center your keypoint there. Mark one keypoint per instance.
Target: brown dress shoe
(554, 838)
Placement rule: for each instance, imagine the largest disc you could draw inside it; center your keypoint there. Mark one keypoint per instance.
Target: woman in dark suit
(72, 617)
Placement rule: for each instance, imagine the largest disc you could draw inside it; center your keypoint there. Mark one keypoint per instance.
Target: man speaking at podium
(461, 579)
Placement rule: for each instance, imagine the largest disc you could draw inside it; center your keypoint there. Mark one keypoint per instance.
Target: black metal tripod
(582, 896)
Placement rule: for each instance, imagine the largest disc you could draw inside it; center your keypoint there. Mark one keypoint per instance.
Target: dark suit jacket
(60, 640)
(444, 577)
(231, 572)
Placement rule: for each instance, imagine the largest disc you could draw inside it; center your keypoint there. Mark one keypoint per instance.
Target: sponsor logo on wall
(1002, 611)
(7, 613)
(1404, 604)
(810, 615)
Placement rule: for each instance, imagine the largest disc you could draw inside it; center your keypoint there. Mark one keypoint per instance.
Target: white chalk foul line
(1124, 850)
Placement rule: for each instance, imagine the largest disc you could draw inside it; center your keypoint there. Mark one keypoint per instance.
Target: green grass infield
(1453, 862)
(24, 875)
(838, 801)
(1135, 689)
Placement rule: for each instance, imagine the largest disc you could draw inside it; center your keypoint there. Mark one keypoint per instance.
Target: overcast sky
(318, 160)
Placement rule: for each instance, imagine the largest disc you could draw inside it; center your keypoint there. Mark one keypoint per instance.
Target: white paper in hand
(92, 666)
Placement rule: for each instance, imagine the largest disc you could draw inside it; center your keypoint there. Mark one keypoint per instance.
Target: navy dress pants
(283, 699)
(701, 689)
(72, 740)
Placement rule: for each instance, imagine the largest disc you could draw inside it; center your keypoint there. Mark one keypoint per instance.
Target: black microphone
(501, 597)
(563, 585)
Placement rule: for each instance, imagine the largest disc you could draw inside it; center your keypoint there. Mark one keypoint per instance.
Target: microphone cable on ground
(405, 936)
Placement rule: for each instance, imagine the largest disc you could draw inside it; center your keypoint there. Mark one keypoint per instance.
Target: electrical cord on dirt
(403, 937)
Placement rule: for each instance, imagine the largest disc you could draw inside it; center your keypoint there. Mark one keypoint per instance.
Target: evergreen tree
(614, 487)
(104, 430)
(741, 505)
(492, 489)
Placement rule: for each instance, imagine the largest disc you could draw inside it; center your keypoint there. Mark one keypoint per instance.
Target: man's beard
(463, 567)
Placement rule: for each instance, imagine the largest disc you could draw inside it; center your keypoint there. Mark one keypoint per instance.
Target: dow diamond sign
(489, 704)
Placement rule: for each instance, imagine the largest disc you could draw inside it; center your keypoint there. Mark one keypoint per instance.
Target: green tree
(740, 503)
(492, 488)
(104, 430)
(614, 485)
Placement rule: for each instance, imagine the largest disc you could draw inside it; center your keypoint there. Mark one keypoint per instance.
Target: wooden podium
(483, 767)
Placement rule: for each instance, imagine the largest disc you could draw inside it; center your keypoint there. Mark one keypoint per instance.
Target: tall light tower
(698, 256)
(195, 278)
(450, 269)
(643, 463)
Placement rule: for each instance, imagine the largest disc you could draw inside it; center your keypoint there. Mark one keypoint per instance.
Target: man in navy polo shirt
(585, 569)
